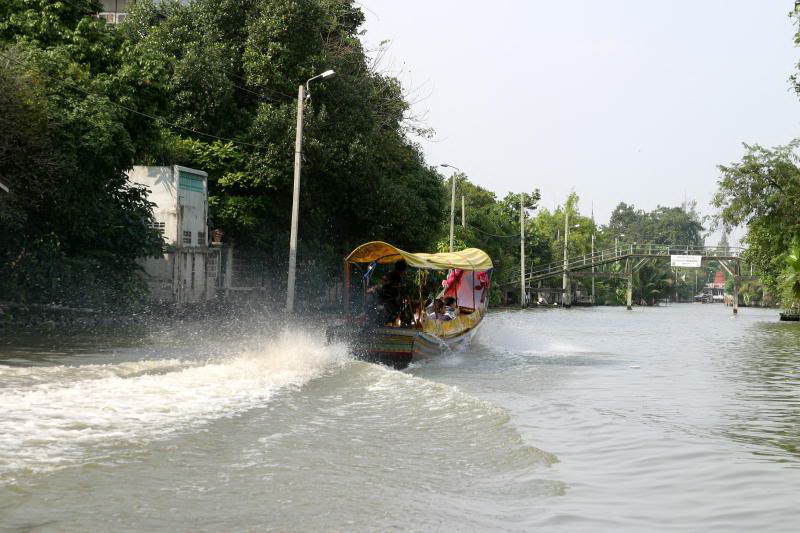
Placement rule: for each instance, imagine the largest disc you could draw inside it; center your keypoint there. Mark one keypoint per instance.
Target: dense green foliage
(210, 85)
(760, 192)
(72, 225)
(790, 278)
(233, 70)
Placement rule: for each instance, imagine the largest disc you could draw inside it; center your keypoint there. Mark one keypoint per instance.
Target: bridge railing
(631, 250)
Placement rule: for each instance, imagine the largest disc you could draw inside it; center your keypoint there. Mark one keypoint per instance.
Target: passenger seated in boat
(450, 307)
(439, 311)
(389, 294)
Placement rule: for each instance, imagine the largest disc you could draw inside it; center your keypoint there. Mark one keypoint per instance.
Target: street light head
(327, 74)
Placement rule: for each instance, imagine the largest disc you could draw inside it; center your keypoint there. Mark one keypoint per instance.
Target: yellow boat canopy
(381, 252)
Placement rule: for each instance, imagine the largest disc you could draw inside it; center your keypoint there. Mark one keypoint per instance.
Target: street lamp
(298, 155)
(452, 201)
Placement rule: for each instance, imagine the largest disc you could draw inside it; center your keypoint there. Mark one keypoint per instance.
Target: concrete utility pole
(593, 261)
(523, 300)
(463, 213)
(736, 272)
(567, 297)
(452, 200)
(298, 156)
(452, 210)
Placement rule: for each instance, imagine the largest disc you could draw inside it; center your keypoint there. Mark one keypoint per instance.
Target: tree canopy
(760, 193)
(210, 84)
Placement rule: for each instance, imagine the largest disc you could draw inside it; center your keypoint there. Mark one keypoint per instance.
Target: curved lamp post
(298, 155)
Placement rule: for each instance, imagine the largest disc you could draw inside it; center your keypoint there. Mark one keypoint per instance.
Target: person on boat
(450, 307)
(389, 293)
(439, 311)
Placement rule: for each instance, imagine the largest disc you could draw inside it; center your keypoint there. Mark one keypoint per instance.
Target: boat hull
(397, 347)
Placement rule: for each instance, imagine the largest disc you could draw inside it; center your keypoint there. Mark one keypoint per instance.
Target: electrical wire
(494, 234)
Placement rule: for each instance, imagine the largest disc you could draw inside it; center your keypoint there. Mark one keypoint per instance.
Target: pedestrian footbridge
(632, 257)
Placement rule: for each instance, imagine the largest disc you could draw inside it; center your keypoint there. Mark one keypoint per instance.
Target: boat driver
(390, 294)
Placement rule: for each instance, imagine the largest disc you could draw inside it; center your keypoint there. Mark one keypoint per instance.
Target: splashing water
(61, 415)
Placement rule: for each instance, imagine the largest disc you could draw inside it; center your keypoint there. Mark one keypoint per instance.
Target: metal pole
(593, 261)
(463, 213)
(736, 288)
(298, 154)
(523, 300)
(567, 298)
(452, 210)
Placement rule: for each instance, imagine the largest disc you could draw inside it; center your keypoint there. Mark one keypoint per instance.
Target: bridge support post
(736, 272)
(629, 295)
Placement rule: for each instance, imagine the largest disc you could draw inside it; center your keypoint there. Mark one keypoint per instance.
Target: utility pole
(523, 300)
(452, 210)
(463, 213)
(298, 156)
(593, 261)
(567, 297)
(593, 302)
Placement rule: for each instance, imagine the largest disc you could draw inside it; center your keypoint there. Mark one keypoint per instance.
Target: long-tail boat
(420, 330)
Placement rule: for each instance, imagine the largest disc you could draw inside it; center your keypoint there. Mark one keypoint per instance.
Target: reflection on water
(678, 418)
(767, 413)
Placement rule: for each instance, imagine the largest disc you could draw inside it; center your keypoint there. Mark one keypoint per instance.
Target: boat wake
(63, 415)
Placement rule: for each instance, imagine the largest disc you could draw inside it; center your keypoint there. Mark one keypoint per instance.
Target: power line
(263, 88)
(493, 234)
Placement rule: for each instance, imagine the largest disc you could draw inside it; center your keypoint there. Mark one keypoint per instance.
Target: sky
(619, 100)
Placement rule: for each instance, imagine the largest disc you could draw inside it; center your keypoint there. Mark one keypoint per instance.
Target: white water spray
(58, 416)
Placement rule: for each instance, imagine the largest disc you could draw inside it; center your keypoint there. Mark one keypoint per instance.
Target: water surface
(666, 419)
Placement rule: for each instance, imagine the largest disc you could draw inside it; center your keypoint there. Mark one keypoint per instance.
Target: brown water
(677, 418)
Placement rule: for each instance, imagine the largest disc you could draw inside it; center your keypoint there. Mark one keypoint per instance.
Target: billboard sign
(686, 261)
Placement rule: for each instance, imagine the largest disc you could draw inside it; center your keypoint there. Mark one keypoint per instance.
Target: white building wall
(181, 212)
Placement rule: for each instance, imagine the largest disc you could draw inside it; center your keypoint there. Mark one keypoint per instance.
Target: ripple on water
(64, 415)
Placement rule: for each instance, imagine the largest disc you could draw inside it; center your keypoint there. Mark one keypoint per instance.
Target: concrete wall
(181, 196)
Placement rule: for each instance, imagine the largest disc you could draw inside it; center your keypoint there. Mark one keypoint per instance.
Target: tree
(233, 69)
(790, 278)
(760, 192)
(67, 138)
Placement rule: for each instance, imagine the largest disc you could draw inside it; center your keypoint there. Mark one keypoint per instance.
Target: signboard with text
(686, 261)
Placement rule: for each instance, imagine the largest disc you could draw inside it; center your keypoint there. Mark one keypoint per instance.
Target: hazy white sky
(620, 100)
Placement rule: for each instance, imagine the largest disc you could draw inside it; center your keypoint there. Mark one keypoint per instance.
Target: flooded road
(678, 418)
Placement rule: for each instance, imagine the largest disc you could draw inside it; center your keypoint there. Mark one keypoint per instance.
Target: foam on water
(63, 415)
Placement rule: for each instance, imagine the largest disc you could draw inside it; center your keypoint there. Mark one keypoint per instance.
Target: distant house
(187, 272)
(714, 291)
(115, 11)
